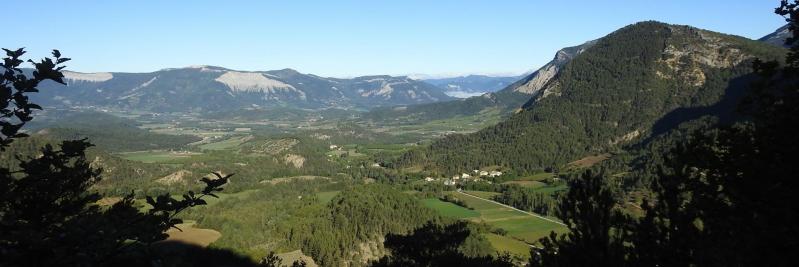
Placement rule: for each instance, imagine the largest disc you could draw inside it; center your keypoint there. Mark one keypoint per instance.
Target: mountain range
(211, 89)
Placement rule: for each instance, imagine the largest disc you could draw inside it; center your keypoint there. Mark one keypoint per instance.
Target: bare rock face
(540, 78)
(71, 76)
(544, 75)
(257, 82)
(295, 160)
(685, 61)
(175, 178)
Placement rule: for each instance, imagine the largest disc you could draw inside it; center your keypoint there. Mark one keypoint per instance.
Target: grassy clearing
(190, 235)
(550, 189)
(108, 201)
(537, 177)
(155, 156)
(588, 161)
(447, 209)
(325, 197)
(529, 229)
(510, 245)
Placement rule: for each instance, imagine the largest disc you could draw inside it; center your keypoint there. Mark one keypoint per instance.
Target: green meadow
(447, 209)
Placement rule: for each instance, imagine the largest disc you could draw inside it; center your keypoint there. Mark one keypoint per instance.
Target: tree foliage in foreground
(436, 245)
(48, 212)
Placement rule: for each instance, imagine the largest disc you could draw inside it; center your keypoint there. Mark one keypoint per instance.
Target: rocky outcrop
(175, 178)
(536, 81)
(295, 160)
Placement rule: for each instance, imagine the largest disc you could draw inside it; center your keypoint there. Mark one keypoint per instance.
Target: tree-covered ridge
(122, 175)
(112, 133)
(636, 82)
(723, 193)
(348, 230)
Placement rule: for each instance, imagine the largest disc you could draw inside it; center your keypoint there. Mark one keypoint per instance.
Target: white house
(465, 175)
(483, 173)
(428, 179)
(456, 177)
(495, 173)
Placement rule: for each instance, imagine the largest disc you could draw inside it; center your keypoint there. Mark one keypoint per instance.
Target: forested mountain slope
(505, 101)
(636, 82)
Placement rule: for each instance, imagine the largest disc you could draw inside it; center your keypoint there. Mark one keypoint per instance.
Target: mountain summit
(637, 82)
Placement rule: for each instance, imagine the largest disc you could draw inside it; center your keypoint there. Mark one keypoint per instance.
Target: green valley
(654, 145)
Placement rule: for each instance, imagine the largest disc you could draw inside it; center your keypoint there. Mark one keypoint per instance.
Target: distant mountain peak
(536, 81)
(777, 37)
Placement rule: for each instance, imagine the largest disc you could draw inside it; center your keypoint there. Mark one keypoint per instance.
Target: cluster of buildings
(476, 176)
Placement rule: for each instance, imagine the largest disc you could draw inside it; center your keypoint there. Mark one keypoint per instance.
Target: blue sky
(347, 38)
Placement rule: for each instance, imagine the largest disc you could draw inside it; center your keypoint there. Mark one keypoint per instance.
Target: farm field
(523, 229)
(528, 229)
(519, 225)
(226, 144)
(155, 156)
(510, 245)
(447, 209)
